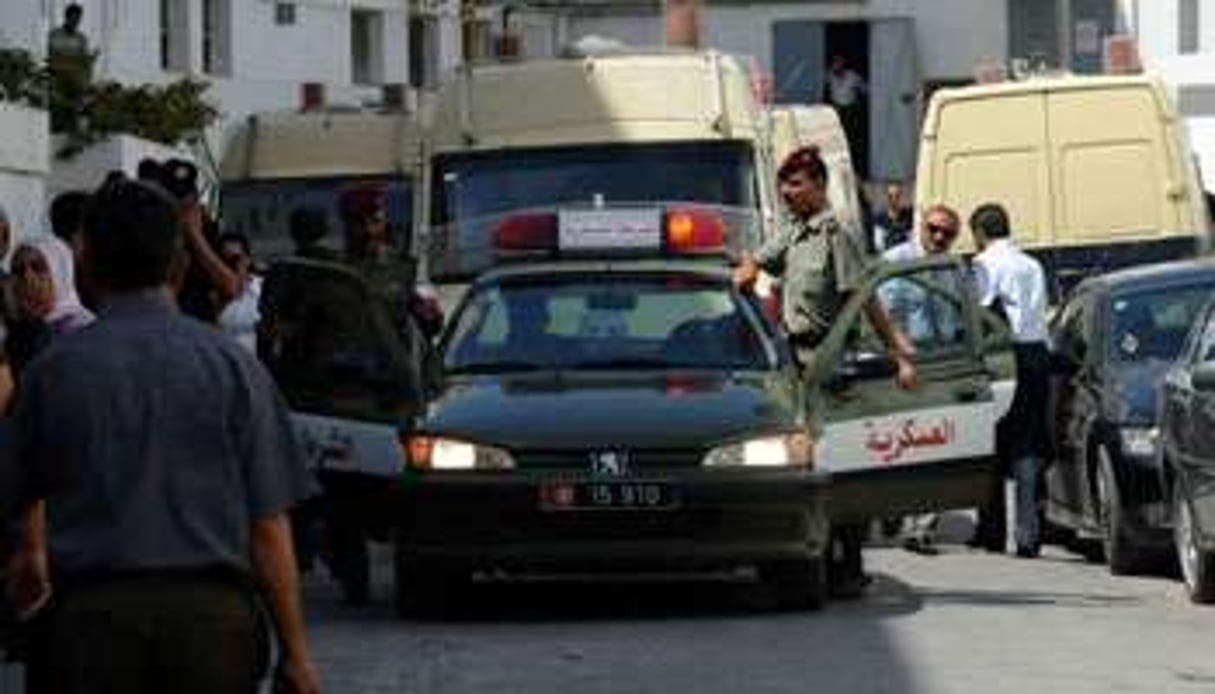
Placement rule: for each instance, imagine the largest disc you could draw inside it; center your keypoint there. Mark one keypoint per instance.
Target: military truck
(616, 140)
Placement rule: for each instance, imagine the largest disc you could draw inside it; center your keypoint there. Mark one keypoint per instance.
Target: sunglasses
(941, 229)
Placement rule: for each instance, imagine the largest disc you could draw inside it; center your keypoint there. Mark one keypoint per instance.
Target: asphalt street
(960, 622)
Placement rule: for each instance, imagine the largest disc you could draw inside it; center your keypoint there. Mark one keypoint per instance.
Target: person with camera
(208, 284)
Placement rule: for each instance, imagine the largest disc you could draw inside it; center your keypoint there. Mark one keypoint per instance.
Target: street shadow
(718, 636)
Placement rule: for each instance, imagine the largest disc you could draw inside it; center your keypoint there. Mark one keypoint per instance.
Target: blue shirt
(155, 441)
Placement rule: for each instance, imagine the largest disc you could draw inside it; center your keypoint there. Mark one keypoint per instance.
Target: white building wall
(24, 164)
(266, 62)
(1192, 77)
(953, 36)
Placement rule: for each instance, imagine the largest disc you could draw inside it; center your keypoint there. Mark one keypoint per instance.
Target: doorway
(846, 53)
(883, 131)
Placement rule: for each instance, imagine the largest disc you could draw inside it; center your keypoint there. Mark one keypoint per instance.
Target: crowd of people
(151, 462)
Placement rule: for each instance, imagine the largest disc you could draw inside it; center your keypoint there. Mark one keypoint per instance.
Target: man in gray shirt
(156, 466)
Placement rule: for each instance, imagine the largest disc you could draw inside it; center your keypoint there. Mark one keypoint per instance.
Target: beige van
(1096, 172)
(796, 126)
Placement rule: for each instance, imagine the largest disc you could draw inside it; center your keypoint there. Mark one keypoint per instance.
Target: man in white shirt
(1014, 284)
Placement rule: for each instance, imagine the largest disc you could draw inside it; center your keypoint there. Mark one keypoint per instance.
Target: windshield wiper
(490, 367)
(624, 363)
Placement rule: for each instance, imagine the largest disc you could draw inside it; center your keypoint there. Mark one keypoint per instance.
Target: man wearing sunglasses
(907, 304)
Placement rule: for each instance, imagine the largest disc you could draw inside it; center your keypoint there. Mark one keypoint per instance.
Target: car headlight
(1140, 442)
(438, 453)
(795, 449)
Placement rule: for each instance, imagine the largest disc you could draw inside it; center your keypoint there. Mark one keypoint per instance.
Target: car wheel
(1197, 566)
(1122, 555)
(797, 584)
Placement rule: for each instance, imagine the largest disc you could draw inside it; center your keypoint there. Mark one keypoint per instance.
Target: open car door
(352, 374)
(893, 451)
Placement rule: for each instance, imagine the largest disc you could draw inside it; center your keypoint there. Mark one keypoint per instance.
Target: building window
(1187, 26)
(174, 36)
(284, 14)
(216, 24)
(423, 51)
(367, 46)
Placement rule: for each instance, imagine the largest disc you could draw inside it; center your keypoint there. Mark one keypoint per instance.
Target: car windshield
(635, 322)
(476, 195)
(263, 210)
(1152, 325)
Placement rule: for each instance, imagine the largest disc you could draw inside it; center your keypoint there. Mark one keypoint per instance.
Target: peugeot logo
(609, 463)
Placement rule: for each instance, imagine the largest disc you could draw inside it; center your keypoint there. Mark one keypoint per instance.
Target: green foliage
(86, 112)
(22, 80)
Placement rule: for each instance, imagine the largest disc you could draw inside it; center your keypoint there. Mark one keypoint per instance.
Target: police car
(614, 402)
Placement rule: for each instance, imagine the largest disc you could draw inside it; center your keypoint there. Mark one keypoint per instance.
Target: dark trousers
(150, 633)
(1022, 433)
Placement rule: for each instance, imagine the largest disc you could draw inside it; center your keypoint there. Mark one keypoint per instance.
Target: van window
(474, 186)
(262, 210)
(479, 197)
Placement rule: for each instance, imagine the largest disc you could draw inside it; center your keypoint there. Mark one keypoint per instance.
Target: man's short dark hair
(991, 220)
(132, 234)
(805, 159)
(73, 10)
(67, 213)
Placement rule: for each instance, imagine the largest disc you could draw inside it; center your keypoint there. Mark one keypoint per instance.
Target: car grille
(636, 459)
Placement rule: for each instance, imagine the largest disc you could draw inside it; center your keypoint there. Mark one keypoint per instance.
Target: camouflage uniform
(818, 263)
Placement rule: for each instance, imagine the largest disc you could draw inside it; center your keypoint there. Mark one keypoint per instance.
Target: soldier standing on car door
(818, 262)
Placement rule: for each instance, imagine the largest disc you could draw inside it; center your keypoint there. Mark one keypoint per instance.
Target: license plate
(578, 496)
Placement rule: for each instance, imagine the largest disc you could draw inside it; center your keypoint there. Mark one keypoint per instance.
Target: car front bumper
(498, 520)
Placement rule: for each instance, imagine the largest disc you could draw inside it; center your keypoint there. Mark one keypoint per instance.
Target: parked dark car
(1112, 342)
(1187, 452)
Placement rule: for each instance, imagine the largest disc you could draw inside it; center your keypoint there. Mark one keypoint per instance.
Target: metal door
(894, 99)
(797, 59)
(892, 451)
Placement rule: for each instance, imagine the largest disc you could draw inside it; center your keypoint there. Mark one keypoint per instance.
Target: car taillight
(695, 230)
(526, 232)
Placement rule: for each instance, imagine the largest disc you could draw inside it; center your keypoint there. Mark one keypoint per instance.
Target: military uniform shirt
(818, 263)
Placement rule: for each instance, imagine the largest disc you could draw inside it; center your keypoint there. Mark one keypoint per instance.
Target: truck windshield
(474, 193)
(263, 210)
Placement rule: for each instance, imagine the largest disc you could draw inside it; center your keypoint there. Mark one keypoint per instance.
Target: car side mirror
(1202, 377)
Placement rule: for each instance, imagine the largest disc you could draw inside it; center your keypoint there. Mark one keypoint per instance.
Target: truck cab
(637, 138)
